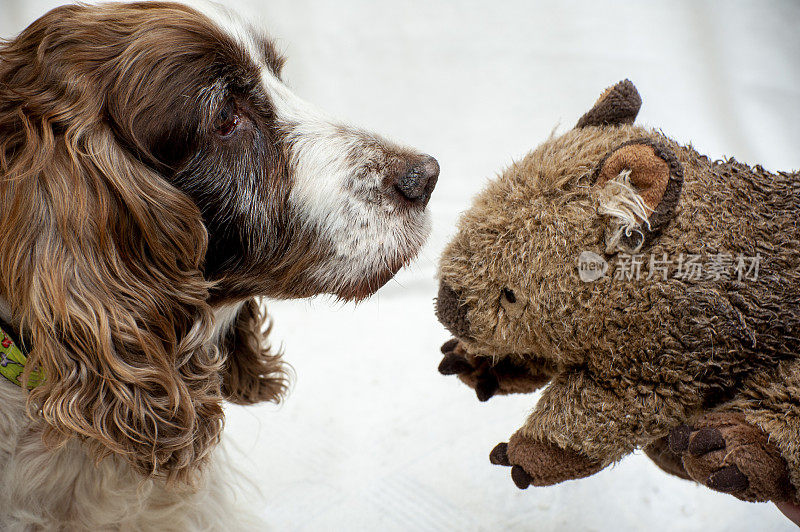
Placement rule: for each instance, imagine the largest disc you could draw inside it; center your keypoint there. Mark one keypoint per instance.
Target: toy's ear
(616, 106)
(638, 186)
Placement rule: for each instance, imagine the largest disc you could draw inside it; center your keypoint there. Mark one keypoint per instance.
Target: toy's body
(696, 321)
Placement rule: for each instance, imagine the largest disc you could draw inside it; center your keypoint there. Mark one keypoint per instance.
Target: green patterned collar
(12, 362)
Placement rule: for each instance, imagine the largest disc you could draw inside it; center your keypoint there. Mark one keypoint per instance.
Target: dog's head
(155, 167)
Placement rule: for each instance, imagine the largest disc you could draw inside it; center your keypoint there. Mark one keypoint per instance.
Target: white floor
(372, 437)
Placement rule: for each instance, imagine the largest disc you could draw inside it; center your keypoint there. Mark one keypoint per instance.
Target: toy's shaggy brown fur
(715, 361)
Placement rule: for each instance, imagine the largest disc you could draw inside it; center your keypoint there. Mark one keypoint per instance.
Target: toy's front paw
(507, 376)
(541, 463)
(728, 454)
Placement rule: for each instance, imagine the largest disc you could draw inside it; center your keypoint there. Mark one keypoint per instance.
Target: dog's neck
(224, 317)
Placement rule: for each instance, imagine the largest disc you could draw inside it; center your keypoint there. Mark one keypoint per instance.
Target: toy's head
(527, 271)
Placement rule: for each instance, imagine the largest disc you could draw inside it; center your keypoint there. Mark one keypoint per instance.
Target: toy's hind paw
(726, 453)
(508, 375)
(541, 463)
(664, 457)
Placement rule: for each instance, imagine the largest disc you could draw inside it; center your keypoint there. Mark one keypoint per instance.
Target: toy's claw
(679, 438)
(726, 453)
(499, 455)
(486, 387)
(449, 346)
(728, 479)
(520, 477)
(453, 364)
(488, 377)
(541, 463)
(706, 440)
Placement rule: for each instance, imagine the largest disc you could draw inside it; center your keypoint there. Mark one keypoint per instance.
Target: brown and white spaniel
(156, 176)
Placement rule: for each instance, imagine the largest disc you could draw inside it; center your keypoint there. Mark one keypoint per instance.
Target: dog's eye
(509, 295)
(227, 120)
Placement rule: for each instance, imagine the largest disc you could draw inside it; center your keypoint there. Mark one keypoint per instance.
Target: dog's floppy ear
(100, 260)
(253, 373)
(638, 186)
(616, 106)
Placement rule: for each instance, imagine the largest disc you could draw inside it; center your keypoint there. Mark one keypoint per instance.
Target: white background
(372, 437)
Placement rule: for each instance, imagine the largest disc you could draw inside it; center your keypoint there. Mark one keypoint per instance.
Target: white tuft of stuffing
(620, 200)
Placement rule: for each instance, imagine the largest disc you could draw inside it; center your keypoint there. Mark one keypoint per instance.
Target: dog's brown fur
(632, 359)
(112, 299)
(156, 177)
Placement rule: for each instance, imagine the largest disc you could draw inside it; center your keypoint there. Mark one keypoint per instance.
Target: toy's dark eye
(509, 295)
(227, 120)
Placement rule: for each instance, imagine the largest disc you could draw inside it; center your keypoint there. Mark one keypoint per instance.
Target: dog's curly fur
(114, 309)
(112, 298)
(156, 176)
(629, 359)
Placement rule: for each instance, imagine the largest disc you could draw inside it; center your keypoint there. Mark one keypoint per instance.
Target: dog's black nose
(417, 182)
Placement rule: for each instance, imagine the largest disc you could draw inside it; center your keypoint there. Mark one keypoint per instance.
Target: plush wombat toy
(656, 293)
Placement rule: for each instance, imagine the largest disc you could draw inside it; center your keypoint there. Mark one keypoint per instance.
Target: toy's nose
(452, 312)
